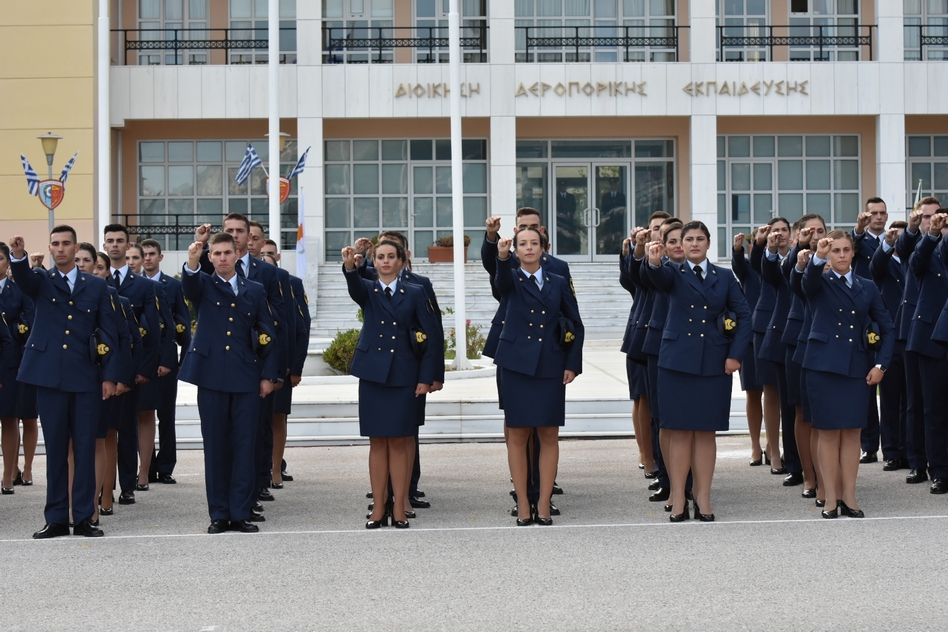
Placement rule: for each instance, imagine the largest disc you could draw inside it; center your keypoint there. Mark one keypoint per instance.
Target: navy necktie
(240, 268)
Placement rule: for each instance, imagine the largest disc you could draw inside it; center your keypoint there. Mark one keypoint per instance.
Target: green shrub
(339, 354)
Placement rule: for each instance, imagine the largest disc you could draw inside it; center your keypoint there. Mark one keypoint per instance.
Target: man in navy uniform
(163, 462)
(70, 307)
(140, 292)
(238, 227)
(232, 378)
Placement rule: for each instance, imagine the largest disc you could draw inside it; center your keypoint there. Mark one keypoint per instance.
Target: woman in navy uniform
(838, 363)
(392, 377)
(17, 400)
(538, 359)
(753, 389)
(696, 359)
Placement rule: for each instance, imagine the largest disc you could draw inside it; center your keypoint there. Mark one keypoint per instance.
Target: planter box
(443, 254)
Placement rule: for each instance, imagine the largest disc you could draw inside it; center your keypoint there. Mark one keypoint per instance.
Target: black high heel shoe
(680, 517)
(401, 524)
(19, 478)
(831, 514)
(703, 517)
(819, 503)
(809, 493)
(766, 458)
(375, 524)
(849, 512)
(525, 522)
(757, 462)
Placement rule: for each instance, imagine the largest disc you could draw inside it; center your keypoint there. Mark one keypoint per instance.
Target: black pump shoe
(849, 512)
(680, 517)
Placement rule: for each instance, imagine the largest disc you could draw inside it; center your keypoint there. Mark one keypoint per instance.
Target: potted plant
(443, 250)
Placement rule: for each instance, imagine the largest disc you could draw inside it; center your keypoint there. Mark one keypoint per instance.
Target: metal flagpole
(273, 144)
(457, 189)
(103, 131)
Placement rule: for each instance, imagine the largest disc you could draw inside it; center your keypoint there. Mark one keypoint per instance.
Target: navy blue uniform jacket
(174, 298)
(57, 353)
(530, 339)
(18, 311)
(930, 271)
(140, 292)
(691, 342)
(384, 353)
(221, 356)
(840, 315)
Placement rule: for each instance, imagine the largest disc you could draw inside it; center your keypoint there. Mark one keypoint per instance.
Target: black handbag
(873, 337)
(727, 323)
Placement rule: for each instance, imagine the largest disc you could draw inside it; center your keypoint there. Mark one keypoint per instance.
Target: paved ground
(611, 562)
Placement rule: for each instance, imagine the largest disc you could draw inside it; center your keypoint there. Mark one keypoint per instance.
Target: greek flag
(300, 165)
(32, 180)
(67, 169)
(250, 162)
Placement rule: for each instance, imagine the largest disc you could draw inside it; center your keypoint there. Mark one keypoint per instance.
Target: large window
(170, 20)
(814, 18)
(431, 20)
(358, 20)
(593, 18)
(927, 162)
(742, 18)
(760, 177)
(182, 184)
(404, 185)
(248, 21)
(926, 20)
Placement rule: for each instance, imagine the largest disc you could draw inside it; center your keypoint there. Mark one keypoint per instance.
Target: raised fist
(739, 241)
(503, 247)
(823, 247)
(17, 247)
(203, 233)
(862, 221)
(36, 259)
(761, 235)
(493, 225)
(803, 257)
(891, 236)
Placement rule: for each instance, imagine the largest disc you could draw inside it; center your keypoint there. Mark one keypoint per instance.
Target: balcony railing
(805, 42)
(170, 44)
(918, 36)
(176, 231)
(597, 43)
(377, 44)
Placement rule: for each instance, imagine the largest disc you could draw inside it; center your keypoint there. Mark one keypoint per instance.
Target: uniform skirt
(27, 407)
(748, 372)
(766, 371)
(387, 411)
(636, 373)
(500, 390)
(149, 394)
(651, 371)
(9, 393)
(533, 401)
(694, 402)
(283, 399)
(843, 401)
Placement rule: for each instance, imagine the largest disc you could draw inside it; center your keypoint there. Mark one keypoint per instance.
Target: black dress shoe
(127, 498)
(286, 477)
(219, 526)
(166, 479)
(276, 485)
(369, 495)
(939, 486)
(680, 517)
(554, 510)
(257, 517)
(401, 524)
(809, 493)
(660, 495)
(641, 466)
(51, 530)
(869, 457)
(265, 495)
(375, 524)
(418, 503)
(849, 512)
(916, 476)
(525, 522)
(668, 508)
(87, 530)
(796, 478)
(544, 522)
(243, 526)
(557, 490)
(891, 465)
(819, 503)
(515, 512)
(418, 494)
(830, 514)
(650, 475)
(153, 477)
(777, 471)
(106, 512)
(654, 485)
(411, 515)
(257, 506)
(6, 491)
(141, 488)
(255, 512)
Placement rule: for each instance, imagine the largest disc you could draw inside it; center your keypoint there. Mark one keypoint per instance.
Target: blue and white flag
(250, 162)
(32, 180)
(67, 169)
(300, 165)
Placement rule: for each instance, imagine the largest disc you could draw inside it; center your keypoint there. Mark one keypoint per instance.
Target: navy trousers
(166, 458)
(915, 413)
(229, 427)
(263, 453)
(68, 416)
(788, 416)
(869, 437)
(892, 410)
(128, 441)
(934, 377)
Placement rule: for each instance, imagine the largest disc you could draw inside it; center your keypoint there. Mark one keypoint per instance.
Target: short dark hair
(270, 242)
(399, 249)
(90, 249)
(255, 224)
(668, 227)
(527, 210)
(931, 199)
(64, 228)
(898, 224)
(658, 214)
(393, 235)
(240, 217)
(876, 200)
(803, 220)
(697, 225)
(152, 243)
(115, 228)
(5, 249)
(222, 237)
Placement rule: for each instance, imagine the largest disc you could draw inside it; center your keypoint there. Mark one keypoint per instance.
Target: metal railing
(178, 40)
(576, 43)
(376, 44)
(177, 233)
(818, 37)
(918, 36)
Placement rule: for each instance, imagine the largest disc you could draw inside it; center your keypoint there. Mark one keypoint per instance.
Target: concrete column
(311, 181)
(703, 172)
(889, 38)
(503, 160)
(501, 32)
(702, 31)
(309, 34)
(891, 180)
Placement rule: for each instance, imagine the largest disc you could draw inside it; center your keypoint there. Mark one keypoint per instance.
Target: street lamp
(283, 137)
(49, 142)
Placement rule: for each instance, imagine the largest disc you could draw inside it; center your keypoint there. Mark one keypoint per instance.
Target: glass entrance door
(590, 210)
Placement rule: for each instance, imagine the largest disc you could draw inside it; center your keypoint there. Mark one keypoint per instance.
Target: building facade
(596, 112)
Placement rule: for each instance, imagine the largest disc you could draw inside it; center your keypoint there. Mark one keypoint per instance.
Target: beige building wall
(47, 84)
